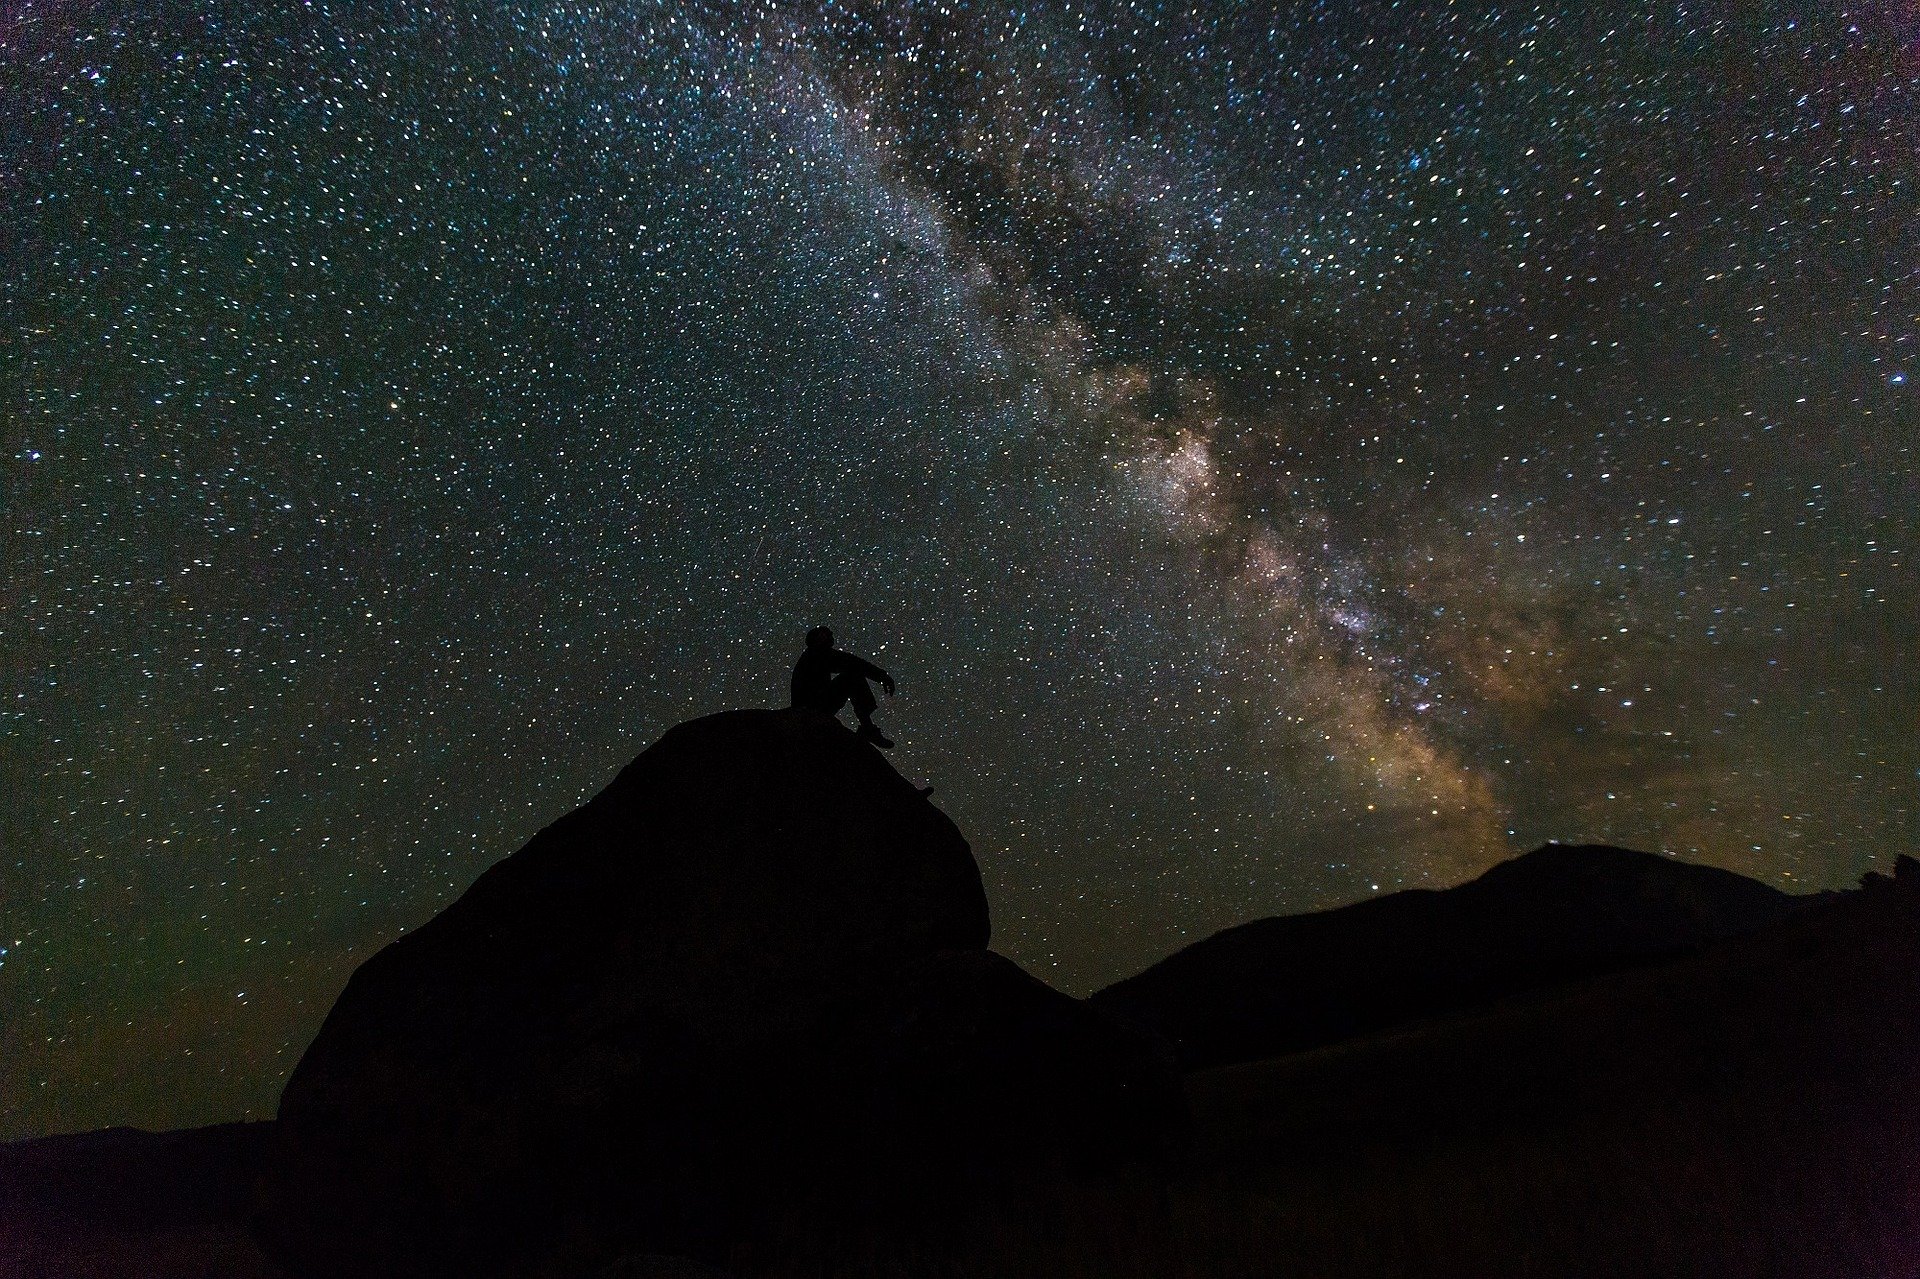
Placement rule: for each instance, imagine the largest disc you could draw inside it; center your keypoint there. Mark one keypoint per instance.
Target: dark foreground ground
(120, 1202)
(1750, 1110)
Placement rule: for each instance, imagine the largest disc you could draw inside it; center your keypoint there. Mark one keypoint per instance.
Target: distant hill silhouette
(122, 1202)
(1558, 913)
(735, 1018)
(1751, 1108)
(751, 968)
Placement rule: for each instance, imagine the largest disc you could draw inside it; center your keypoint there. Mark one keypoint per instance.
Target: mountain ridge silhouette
(1557, 914)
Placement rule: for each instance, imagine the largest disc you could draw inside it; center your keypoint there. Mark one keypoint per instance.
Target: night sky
(1286, 453)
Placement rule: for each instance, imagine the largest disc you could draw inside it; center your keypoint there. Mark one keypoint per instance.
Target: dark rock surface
(751, 967)
(660, 1266)
(1559, 913)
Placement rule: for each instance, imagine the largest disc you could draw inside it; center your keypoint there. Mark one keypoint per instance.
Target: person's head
(819, 637)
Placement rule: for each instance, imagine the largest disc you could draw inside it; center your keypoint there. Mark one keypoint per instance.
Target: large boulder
(751, 966)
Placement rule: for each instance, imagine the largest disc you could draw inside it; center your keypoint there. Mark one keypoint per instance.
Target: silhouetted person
(825, 679)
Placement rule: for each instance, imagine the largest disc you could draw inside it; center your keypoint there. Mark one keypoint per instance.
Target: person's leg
(840, 690)
(862, 698)
(856, 691)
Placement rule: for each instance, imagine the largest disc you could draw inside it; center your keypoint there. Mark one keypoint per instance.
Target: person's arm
(865, 668)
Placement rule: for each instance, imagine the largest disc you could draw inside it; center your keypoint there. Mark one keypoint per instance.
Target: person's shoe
(868, 733)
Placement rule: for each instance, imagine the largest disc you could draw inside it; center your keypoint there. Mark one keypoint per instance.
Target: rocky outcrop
(753, 966)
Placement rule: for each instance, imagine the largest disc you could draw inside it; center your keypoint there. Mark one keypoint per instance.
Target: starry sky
(1285, 452)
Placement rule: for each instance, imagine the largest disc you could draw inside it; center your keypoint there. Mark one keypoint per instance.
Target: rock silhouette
(749, 973)
(1559, 913)
(1743, 1107)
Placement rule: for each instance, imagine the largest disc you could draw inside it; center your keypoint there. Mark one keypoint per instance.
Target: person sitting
(825, 679)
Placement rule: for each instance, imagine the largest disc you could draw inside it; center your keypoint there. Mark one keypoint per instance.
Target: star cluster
(1285, 452)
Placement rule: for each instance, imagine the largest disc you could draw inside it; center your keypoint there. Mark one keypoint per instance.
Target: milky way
(1285, 454)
